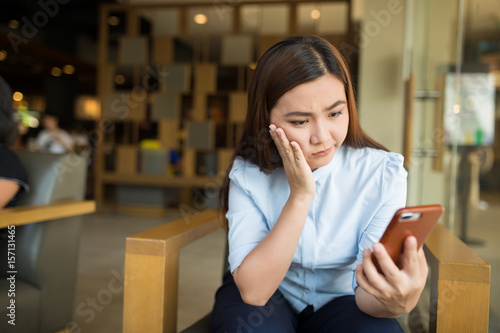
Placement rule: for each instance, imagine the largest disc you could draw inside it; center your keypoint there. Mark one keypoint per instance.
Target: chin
(319, 162)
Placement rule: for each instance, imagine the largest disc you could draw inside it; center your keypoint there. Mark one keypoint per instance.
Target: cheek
(340, 130)
(346, 127)
(295, 134)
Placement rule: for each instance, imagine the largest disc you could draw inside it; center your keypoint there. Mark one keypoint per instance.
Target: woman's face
(315, 115)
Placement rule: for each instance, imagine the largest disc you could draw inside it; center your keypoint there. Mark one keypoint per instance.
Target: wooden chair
(459, 278)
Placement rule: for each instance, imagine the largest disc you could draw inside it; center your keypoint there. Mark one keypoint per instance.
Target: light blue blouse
(357, 194)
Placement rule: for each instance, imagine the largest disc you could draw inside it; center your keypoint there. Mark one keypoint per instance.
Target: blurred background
(153, 94)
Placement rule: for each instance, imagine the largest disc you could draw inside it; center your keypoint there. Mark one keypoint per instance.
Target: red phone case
(401, 227)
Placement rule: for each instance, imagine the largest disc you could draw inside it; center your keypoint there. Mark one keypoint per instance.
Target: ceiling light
(69, 69)
(55, 71)
(113, 20)
(17, 96)
(119, 79)
(200, 18)
(315, 14)
(3, 55)
(13, 24)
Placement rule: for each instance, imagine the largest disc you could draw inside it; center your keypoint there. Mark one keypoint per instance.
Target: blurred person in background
(53, 139)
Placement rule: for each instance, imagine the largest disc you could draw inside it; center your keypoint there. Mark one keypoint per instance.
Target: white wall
(431, 50)
(380, 91)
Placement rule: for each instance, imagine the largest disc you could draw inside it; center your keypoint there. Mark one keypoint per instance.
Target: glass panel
(220, 22)
(323, 18)
(478, 189)
(453, 51)
(307, 17)
(269, 20)
(334, 18)
(275, 20)
(165, 21)
(237, 50)
(430, 56)
(251, 17)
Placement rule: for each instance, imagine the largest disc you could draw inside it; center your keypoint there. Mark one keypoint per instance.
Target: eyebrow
(305, 113)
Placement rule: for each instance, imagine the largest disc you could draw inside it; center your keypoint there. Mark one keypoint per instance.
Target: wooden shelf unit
(151, 180)
(189, 94)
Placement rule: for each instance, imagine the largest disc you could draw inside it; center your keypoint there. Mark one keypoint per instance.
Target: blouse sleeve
(393, 197)
(247, 224)
(11, 169)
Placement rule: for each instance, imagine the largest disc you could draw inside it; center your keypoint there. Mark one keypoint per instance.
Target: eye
(335, 114)
(299, 122)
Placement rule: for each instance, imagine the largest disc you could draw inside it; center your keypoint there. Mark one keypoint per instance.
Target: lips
(323, 152)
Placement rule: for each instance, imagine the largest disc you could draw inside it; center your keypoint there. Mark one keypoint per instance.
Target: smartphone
(417, 221)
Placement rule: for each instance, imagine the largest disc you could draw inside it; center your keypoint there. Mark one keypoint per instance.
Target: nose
(320, 134)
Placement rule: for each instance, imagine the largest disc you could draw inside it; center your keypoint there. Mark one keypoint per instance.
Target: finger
(285, 144)
(422, 264)
(297, 152)
(282, 143)
(363, 281)
(423, 269)
(422, 260)
(410, 255)
(275, 135)
(387, 265)
(376, 279)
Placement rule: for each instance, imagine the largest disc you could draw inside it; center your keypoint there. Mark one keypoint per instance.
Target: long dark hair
(284, 66)
(8, 129)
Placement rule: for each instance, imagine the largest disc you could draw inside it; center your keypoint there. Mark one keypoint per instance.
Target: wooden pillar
(408, 121)
(133, 23)
(101, 91)
(236, 20)
(183, 21)
(293, 29)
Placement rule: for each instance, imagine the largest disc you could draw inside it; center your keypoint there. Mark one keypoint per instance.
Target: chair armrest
(460, 284)
(152, 271)
(39, 213)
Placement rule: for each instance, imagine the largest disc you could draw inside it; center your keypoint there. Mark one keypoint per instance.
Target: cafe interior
(124, 233)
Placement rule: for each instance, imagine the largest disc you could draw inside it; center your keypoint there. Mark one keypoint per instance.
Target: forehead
(318, 94)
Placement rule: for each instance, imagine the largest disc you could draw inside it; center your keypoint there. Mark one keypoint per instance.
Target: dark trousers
(232, 315)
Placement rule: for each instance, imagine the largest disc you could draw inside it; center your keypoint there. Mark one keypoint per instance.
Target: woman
(13, 178)
(307, 194)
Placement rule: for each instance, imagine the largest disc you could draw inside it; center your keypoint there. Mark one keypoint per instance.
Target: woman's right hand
(298, 172)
